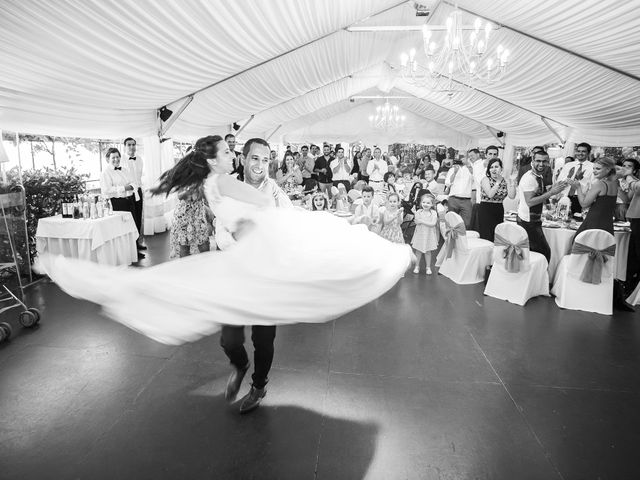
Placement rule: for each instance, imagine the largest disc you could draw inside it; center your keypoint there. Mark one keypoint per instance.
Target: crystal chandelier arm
(545, 42)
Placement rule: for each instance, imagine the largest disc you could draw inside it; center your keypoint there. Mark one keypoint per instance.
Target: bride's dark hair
(191, 170)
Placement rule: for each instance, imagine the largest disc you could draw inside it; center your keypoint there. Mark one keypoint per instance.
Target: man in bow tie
(133, 164)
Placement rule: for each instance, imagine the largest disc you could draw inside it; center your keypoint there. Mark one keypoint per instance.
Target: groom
(256, 169)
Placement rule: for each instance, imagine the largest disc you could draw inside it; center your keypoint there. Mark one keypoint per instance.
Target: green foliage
(45, 191)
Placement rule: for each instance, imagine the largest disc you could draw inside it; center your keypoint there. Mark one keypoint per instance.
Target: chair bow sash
(451, 236)
(513, 252)
(592, 272)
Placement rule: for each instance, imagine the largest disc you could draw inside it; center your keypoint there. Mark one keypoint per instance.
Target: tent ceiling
(103, 67)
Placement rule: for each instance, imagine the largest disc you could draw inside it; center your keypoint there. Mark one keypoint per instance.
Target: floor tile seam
(419, 379)
(100, 348)
(324, 400)
(149, 381)
(574, 388)
(519, 409)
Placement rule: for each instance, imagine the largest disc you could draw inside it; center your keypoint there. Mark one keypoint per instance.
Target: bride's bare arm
(230, 187)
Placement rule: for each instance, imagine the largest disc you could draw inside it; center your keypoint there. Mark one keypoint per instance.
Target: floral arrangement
(45, 191)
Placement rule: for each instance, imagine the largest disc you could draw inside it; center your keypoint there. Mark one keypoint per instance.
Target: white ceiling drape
(102, 68)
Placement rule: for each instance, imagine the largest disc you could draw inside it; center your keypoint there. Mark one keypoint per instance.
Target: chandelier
(387, 117)
(460, 62)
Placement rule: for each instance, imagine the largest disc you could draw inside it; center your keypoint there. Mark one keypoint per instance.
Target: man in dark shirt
(323, 171)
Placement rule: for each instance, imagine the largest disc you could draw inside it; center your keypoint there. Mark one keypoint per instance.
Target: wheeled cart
(15, 260)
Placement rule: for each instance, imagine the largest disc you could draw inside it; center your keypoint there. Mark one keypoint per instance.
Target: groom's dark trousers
(232, 341)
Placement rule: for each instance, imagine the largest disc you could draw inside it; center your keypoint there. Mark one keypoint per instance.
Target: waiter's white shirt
(113, 183)
(134, 167)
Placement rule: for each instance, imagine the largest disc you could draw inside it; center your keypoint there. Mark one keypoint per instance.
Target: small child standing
(391, 218)
(425, 237)
(367, 212)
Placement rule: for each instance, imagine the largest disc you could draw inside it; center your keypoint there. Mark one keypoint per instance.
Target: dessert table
(110, 240)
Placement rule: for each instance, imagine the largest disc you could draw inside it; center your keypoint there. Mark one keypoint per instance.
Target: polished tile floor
(431, 381)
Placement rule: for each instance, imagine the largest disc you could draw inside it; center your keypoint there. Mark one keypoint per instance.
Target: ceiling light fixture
(387, 117)
(461, 61)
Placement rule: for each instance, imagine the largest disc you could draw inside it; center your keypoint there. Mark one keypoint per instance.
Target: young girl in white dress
(281, 269)
(425, 236)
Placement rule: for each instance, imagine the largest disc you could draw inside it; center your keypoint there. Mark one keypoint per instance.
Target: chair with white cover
(463, 260)
(518, 274)
(634, 298)
(584, 278)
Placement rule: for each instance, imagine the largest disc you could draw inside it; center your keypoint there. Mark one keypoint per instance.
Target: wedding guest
(580, 170)
(601, 196)
(238, 168)
(273, 164)
(341, 199)
(306, 164)
(119, 185)
(323, 171)
(134, 164)
(355, 169)
(479, 169)
(391, 218)
(191, 226)
(389, 184)
(532, 194)
(627, 167)
(364, 164)
(319, 202)
(459, 186)
(376, 168)
(495, 188)
(443, 171)
(429, 160)
(404, 184)
(367, 213)
(425, 237)
(341, 169)
(289, 176)
(429, 182)
(632, 172)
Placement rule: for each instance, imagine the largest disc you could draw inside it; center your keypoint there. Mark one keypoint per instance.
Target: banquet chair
(584, 278)
(634, 298)
(518, 274)
(463, 260)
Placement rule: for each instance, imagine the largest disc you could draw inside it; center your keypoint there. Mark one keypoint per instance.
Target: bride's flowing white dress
(293, 266)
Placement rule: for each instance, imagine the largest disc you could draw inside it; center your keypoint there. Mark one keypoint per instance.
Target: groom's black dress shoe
(234, 382)
(252, 400)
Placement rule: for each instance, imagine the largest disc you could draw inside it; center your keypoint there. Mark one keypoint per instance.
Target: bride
(286, 266)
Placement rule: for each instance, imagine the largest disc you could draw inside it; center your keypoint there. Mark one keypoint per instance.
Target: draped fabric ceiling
(102, 68)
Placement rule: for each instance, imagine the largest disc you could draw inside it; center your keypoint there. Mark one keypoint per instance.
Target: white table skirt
(108, 241)
(560, 244)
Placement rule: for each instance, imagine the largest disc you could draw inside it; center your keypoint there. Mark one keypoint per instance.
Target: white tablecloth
(110, 240)
(560, 243)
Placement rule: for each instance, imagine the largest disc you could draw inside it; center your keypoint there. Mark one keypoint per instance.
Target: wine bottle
(94, 209)
(76, 208)
(99, 207)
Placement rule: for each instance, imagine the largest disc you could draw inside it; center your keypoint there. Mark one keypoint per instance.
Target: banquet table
(560, 244)
(110, 240)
